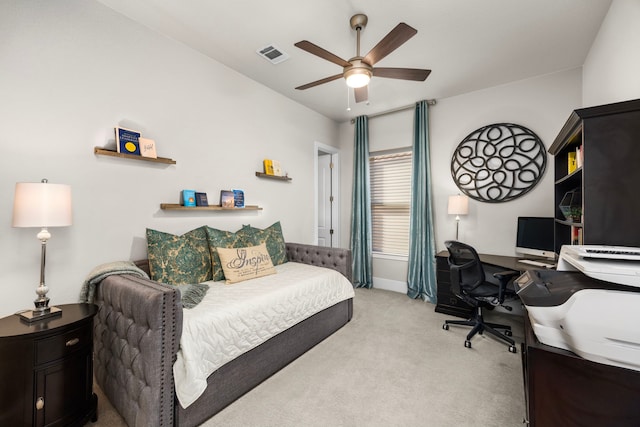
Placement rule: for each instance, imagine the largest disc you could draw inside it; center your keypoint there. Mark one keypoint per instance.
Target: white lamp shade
(458, 205)
(41, 205)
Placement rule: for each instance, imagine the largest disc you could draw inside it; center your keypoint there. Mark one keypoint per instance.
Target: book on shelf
(201, 199)
(576, 235)
(188, 198)
(277, 169)
(147, 148)
(238, 198)
(268, 166)
(127, 141)
(571, 159)
(227, 199)
(579, 157)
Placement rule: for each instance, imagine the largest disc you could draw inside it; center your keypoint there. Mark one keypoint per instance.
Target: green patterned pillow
(271, 236)
(221, 239)
(178, 260)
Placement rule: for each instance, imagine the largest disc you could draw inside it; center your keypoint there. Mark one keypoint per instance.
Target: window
(390, 174)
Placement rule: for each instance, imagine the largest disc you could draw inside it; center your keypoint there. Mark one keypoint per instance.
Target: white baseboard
(390, 285)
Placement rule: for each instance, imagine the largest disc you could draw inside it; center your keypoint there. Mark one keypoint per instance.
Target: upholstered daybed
(137, 338)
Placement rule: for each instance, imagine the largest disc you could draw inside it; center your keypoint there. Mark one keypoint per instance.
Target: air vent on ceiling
(273, 54)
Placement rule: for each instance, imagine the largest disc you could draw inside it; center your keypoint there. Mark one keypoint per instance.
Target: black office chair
(470, 284)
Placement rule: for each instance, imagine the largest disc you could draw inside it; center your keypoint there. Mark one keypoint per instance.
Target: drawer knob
(40, 403)
(72, 342)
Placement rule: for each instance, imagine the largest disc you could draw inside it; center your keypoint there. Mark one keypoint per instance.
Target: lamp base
(38, 315)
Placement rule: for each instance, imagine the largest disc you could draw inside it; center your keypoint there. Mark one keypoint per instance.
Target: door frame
(318, 149)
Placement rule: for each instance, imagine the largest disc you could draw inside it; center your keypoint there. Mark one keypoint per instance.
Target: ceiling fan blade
(361, 93)
(322, 53)
(319, 82)
(402, 73)
(400, 34)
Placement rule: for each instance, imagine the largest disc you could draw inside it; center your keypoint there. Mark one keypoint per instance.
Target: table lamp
(41, 205)
(458, 205)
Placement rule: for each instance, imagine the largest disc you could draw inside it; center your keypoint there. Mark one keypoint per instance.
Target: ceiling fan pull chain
(348, 106)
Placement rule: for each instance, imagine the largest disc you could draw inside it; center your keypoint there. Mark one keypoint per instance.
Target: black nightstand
(46, 369)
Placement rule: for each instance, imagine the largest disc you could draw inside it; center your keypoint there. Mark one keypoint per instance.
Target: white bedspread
(233, 319)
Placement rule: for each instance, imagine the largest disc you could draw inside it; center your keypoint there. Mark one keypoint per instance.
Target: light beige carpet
(392, 365)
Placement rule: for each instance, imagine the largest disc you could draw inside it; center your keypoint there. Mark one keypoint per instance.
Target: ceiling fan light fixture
(357, 77)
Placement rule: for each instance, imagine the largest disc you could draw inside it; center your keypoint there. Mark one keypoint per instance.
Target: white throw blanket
(233, 319)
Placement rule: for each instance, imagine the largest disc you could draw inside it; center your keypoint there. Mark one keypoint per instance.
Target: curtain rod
(395, 110)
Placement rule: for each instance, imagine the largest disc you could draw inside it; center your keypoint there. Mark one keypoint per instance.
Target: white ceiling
(468, 44)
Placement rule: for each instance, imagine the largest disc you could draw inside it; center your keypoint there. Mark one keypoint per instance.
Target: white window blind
(390, 202)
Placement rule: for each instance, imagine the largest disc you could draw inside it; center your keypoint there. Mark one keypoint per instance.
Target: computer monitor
(535, 236)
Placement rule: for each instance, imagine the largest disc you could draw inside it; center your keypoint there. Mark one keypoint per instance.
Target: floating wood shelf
(279, 178)
(177, 207)
(102, 152)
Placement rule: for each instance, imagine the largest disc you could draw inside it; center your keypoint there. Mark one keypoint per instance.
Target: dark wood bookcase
(609, 177)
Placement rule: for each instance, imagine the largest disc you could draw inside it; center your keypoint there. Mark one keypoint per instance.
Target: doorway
(327, 223)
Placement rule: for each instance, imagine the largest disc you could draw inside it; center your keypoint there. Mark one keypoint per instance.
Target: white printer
(590, 305)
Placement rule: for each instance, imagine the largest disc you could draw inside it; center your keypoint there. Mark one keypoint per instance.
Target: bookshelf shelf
(570, 223)
(102, 152)
(277, 178)
(573, 177)
(177, 207)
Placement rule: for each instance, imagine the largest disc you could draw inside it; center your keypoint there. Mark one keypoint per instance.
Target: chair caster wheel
(512, 349)
(445, 327)
(508, 332)
(467, 344)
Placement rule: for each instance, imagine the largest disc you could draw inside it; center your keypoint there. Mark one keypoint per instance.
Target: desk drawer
(57, 347)
(443, 279)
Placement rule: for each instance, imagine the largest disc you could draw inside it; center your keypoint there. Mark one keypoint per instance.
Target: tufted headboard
(136, 337)
(334, 258)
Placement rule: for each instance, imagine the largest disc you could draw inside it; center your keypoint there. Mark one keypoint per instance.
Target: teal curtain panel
(421, 280)
(361, 246)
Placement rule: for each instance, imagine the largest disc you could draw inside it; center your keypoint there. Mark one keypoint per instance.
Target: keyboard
(537, 263)
(609, 252)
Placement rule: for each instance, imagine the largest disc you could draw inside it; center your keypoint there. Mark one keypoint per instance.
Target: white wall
(69, 72)
(612, 67)
(542, 104)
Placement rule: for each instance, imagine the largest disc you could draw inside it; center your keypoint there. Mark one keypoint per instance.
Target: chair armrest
(334, 258)
(136, 337)
(506, 275)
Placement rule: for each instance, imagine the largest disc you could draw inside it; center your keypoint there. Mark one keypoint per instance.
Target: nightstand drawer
(59, 346)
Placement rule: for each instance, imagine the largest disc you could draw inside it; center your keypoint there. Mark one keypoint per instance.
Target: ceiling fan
(358, 70)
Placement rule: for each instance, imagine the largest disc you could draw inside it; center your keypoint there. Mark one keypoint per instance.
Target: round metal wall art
(498, 163)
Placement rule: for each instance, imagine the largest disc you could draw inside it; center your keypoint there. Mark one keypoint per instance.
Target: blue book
(127, 141)
(238, 198)
(188, 198)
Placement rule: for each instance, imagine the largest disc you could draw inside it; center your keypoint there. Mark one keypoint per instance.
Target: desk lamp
(41, 205)
(458, 205)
